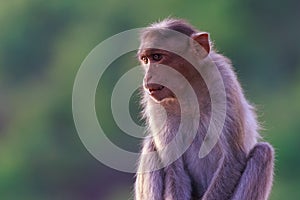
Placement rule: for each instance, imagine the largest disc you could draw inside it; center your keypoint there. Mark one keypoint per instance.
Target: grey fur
(237, 168)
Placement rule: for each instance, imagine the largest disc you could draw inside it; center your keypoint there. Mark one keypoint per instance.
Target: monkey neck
(166, 117)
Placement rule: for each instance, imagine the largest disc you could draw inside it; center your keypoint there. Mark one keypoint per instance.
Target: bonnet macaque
(178, 83)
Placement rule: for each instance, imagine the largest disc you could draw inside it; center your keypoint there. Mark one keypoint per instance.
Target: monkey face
(159, 65)
(153, 61)
(161, 53)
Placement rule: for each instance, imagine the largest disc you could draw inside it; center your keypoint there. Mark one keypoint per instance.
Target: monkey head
(165, 49)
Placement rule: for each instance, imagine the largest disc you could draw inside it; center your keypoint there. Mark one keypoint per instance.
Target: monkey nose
(153, 87)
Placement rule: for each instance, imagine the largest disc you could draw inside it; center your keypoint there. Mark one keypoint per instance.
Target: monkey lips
(158, 92)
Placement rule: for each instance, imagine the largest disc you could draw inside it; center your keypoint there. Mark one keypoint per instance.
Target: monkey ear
(202, 39)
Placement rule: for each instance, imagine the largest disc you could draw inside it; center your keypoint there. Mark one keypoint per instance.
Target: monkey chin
(169, 103)
(165, 100)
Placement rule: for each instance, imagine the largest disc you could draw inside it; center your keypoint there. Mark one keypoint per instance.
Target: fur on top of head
(174, 24)
(179, 25)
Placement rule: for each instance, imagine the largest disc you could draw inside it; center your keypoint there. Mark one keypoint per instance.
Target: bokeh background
(43, 43)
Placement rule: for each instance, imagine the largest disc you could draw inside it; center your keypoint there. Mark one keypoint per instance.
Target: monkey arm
(226, 178)
(177, 182)
(256, 181)
(149, 185)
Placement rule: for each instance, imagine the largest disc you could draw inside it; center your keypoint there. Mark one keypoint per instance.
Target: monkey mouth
(153, 91)
(159, 93)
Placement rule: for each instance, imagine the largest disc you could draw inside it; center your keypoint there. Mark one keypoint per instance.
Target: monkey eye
(145, 59)
(156, 57)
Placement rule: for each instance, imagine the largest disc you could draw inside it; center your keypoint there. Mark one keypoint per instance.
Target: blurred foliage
(42, 44)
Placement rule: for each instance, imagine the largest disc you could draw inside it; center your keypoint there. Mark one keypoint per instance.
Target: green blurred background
(43, 43)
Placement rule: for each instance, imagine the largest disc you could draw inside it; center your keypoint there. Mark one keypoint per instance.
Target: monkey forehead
(164, 39)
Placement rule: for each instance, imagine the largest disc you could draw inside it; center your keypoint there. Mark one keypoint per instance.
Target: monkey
(239, 166)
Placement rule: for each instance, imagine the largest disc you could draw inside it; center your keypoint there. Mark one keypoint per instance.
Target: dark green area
(43, 43)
